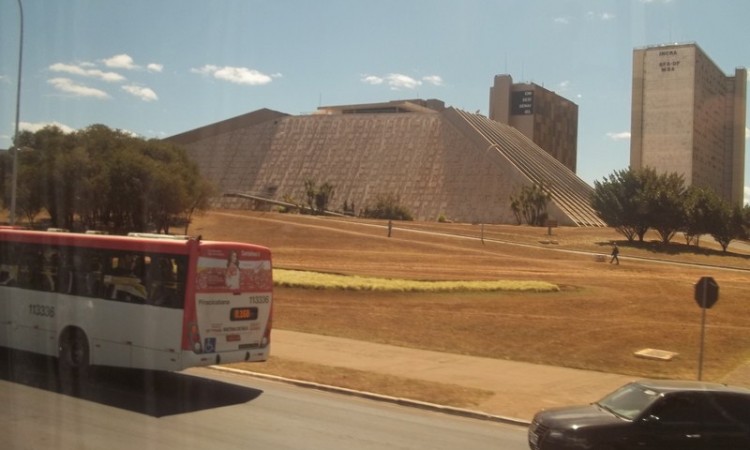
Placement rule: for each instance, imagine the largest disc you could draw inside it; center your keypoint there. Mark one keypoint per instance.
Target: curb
(382, 398)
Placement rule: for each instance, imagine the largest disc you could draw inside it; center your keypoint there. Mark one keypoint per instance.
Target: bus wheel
(73, 359)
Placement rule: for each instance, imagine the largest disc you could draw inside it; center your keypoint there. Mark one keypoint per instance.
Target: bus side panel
(6, 323)
(138, 336)
(119, 334)
(158, 339)
(33, 321)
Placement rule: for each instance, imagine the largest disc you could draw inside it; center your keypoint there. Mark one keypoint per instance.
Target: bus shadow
(153, 393)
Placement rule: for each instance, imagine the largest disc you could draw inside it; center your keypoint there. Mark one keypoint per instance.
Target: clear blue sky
(160, 67)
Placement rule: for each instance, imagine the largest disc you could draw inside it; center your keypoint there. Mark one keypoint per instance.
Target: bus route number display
(236, 314)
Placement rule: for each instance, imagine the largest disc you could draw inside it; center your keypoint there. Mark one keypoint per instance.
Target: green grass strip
(318, 280)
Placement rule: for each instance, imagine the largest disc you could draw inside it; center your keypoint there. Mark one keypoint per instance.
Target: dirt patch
(603, 314)
(437, 393)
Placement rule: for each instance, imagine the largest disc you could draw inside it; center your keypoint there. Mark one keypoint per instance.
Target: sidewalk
(521, 389)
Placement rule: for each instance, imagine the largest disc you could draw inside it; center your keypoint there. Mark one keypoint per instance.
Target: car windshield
(629, 401)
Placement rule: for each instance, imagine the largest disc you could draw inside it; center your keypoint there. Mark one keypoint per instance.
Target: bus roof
(92, 240)
(138, 242)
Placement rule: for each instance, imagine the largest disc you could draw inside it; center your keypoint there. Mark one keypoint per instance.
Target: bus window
(8, 265)
(165, 281)
(65, 272)
(30, 267)
(50, 266)
(123, 277)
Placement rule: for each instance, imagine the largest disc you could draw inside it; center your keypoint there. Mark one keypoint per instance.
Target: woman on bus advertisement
(221, 270)
(232, 275)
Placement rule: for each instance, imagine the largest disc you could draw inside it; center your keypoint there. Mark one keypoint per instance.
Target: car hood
(576, 417)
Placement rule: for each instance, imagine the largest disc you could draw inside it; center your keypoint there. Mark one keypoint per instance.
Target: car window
(629, 401)
(680, 408)
(733, 407)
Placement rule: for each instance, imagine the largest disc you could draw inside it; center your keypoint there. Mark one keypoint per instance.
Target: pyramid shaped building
(439, 162)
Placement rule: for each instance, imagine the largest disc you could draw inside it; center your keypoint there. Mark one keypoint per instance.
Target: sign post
(706, 295)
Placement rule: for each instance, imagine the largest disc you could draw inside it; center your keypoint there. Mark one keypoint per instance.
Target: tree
(35, 167)
(28, 198)
(318, 197)
(700, 203)
(618, 200)
(388, 206)
(107, 179)
(664, 199)
(746, 220)
(531, 204)
(199, 193)
(725, 223)
(323, 197)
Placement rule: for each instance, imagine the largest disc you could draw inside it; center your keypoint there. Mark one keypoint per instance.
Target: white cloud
(36, 126)
(237, 75)
(591, 15)
(122, 61)
(242, 75)
(372, 79)
(434, 80)
(208, 69)
(70, 87)
(156, 133)
(747, 195)
(398, 81)
(747, 133)
(144, 93)
(153, 67)
(84, 71)
(561, 20)
(621, 136)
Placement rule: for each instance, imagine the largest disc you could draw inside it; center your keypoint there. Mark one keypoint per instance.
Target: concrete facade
(439, 161)
(689, 118)
(551, 121)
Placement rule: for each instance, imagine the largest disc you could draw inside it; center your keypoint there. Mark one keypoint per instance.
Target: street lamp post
(14, 176)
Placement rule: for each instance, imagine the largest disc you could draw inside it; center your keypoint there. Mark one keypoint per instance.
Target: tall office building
(549, 120)
(688, 117)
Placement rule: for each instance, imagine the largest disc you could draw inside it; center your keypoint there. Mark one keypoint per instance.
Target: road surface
(204, 408)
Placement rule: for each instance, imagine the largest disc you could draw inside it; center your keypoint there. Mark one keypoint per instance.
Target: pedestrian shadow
(153, 393)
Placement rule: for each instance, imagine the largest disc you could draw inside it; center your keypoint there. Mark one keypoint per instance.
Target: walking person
(615, 253)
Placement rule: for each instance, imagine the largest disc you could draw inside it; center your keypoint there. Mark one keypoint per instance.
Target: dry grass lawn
(602, 314)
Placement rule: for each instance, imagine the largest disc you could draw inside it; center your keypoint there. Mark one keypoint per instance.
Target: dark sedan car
(648, 414)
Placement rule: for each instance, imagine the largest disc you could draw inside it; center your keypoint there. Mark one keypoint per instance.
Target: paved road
(206, 409)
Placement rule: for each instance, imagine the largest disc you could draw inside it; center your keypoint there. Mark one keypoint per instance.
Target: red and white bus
(139, 301)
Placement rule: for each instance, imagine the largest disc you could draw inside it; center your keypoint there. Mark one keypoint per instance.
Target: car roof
(667, 386)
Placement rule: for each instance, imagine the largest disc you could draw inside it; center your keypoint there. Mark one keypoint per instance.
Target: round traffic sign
(706, 292)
